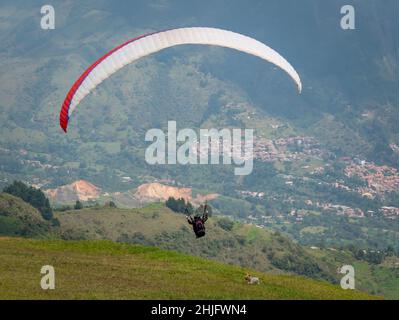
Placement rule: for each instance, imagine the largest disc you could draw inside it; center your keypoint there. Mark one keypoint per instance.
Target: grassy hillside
(381, 279)
(19, 218)
(232, 243)
(156, 225)
(106, 270)
(244, 245)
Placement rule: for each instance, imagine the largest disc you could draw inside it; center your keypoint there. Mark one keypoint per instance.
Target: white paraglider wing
(142, 46)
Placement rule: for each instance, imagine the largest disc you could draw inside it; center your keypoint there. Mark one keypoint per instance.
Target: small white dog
(252, 280)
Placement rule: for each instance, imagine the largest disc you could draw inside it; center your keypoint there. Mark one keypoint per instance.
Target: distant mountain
(158, 191)
(83, 190)
(345, 74)
(161, 192)
(79, 190)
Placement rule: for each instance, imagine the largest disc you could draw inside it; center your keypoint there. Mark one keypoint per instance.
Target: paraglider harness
(197, 222)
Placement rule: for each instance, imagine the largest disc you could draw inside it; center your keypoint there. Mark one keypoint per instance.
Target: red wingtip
(63, 124)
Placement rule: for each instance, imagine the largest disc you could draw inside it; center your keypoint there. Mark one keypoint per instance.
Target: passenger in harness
(198, 222)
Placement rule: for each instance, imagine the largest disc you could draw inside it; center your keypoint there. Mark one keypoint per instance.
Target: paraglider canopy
(144, 45)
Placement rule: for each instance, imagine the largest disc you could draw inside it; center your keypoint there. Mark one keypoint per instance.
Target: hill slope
(19, 218)
(244, 245)
(105, 270)
(156, 225)
(380, 279)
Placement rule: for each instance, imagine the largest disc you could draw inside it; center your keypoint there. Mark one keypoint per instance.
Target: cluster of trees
(179, 205)
(226, 224)
(372, 256)
(35, 197)
(294, 260)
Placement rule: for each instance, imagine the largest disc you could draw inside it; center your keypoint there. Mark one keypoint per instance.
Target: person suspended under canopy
(198, 221)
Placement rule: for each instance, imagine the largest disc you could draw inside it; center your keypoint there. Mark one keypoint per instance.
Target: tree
(112, 204)
(171, 203)
(226, 224)
(78, 205)
(35, 197)
(179, 205)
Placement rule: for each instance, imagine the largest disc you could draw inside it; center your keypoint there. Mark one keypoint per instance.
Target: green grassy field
(106, 270)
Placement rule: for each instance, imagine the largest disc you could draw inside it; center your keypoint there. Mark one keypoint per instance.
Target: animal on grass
(252, 280)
